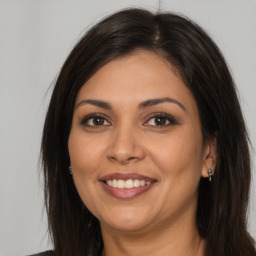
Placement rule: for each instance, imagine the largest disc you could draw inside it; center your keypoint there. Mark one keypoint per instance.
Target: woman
(144, 146)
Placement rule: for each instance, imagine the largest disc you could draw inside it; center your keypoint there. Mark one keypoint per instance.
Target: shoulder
(46, 253)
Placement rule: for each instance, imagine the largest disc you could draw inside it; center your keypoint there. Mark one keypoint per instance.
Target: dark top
(46, 253)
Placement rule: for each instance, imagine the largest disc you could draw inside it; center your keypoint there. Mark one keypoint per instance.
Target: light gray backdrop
(35, 38)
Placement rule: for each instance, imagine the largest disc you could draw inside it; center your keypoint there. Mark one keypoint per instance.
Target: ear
(210, 156)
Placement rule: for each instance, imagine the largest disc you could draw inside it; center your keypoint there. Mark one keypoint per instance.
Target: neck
(176, 239)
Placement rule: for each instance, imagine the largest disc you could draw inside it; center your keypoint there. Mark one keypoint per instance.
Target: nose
(126, 146)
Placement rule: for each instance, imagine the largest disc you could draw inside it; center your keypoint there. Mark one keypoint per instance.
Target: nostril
(125, 153)
(123, 159)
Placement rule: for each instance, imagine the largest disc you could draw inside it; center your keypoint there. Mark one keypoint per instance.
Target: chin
(126, 222)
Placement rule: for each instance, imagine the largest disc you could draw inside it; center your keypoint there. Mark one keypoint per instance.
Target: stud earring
(211, 174)
(70, 170)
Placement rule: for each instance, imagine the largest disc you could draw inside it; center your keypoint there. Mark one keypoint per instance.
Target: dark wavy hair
(222, 204)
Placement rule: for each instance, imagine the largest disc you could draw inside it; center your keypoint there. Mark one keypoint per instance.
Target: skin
(128, 139)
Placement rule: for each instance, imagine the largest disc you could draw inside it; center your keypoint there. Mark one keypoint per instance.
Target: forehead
(137, 76)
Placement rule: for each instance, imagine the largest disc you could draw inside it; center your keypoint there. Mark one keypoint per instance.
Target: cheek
(85, 161)
(179, 156)
(85, 156)
(179, 161)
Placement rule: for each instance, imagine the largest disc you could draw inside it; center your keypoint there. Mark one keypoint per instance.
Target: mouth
(126, 186)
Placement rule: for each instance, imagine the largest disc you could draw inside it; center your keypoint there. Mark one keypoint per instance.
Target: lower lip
(126, 193)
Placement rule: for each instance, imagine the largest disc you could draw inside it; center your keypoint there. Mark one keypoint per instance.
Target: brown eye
(161, 120)
(158, 121)
(95, 120)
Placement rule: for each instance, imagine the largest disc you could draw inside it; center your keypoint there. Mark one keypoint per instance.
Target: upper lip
(125, 176)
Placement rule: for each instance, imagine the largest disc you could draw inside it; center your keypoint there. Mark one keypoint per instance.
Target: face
(136, 146)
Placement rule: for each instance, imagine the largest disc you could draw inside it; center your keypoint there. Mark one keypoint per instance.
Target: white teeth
(120, 183)
(110, 183)
(136, 183)
(127, 183)
(114, 183)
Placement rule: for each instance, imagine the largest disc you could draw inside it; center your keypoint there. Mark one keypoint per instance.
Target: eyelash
(85, 120)
(165, 116)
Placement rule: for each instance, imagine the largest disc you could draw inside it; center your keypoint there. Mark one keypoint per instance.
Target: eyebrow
(98, 103)
(153, 102)
(144, 104)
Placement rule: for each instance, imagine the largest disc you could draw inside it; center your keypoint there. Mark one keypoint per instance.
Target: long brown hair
(222, 204)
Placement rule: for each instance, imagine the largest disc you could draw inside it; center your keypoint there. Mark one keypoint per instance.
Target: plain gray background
(35, 38)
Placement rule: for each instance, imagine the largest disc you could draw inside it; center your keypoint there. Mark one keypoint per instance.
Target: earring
(70, 170)
(211, 174)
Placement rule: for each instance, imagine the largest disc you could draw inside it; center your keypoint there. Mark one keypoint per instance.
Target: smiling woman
(145, 149)
(142, 144)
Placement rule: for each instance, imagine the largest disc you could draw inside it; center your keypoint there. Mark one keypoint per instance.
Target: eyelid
(168, 117)
(93, 115)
